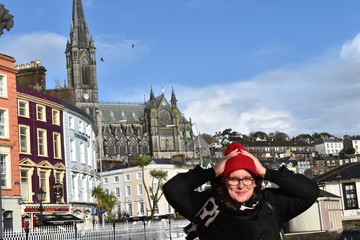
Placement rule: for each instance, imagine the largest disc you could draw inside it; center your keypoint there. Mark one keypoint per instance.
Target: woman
(236, 208)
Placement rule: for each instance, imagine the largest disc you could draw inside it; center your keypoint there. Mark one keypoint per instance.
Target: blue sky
(247, 65)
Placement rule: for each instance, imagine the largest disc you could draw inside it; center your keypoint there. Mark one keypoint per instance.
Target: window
(81, 126)
(4, 123)
(116, 179)
(57, 145)
(128, 191)
(127, 177)
(56, 117)
(40, 113)
(71, 122)
(141, 208)
(5, 167)
(24, 139)
(82, 152)
(72, 150)
(106, 181)
(140, 189)
(58, 178)
(23, 108)
(122, 148)
(129, 209)
(75, 187)
(42, 142)
(138, 175)
(26, 189)
(44, 175)
(3, 86)
(117, 192)
(350, 197)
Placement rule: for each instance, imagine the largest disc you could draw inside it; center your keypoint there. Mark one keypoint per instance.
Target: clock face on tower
(86, 96)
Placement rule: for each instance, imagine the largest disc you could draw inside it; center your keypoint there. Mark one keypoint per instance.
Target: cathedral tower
(81, 63)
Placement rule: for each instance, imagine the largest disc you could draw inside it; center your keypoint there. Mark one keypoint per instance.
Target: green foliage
(259, 134)
(303, 136)
(158, 178)
(104, 200)
(143, 160)
(350, 150)
(322, 135)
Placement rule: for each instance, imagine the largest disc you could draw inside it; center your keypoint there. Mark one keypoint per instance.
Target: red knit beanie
(237, 162)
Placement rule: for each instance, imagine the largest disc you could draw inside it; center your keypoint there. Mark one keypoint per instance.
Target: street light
(199, 146)
(41, 194)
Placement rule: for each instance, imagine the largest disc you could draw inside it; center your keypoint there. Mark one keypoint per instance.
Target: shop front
(48, 215)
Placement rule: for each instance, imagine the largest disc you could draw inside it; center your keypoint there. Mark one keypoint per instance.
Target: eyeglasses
(233, 181)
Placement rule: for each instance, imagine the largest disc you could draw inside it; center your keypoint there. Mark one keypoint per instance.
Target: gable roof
(113, 113)
(343, 172)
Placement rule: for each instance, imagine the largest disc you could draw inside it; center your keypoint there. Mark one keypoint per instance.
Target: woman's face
(240, 192)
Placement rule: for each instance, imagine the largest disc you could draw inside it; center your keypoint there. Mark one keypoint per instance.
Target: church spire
(81, 63)
(152, 97)
(173, 98)
(79, 35)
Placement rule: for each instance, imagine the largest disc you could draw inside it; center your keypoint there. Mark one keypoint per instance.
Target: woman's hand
(219, 168)
(259, 167)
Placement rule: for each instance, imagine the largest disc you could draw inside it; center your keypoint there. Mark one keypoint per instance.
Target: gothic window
(181, 132)
(85, 72)
(187, 133)
(170, 144)
(111, 148)
(164, 118)
(122, 148)
(133, 148)
(162, 145)
(145, 148)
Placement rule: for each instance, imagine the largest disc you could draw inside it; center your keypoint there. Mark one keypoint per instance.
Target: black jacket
(295, 194)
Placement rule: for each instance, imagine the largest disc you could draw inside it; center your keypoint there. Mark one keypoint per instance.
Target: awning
(56, 219)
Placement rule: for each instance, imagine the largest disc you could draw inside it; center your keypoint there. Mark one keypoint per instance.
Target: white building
(80, 149)
(328, 146)
(344, 181)
(126, 182)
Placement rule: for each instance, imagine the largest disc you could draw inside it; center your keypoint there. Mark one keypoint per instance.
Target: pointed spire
(173, 98)
(152, 97)
(79, 32)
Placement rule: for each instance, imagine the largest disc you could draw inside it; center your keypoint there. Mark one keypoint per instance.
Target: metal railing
(159, 230)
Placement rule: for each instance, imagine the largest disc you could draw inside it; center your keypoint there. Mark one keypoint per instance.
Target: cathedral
(155, 127)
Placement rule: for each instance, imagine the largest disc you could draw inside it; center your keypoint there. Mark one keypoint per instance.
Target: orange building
(9, 145)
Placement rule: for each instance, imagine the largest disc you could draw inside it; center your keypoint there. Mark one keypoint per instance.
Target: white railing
(159, 230)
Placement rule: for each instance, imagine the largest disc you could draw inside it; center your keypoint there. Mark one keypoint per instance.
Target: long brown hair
(219, 189)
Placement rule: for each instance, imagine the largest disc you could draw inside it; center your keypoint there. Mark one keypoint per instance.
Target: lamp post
(41, 194)
(199, 146)
(27, 225)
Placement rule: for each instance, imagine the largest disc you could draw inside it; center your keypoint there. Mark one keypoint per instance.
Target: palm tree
(158, 176)
(104, 201)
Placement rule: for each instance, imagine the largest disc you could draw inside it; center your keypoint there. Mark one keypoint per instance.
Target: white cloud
(351, 49)
(311, 98)
(46, 46)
